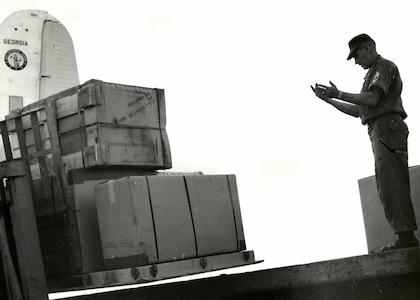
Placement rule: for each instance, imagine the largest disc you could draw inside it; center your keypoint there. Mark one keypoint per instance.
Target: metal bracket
(160, 271)
(153, 270)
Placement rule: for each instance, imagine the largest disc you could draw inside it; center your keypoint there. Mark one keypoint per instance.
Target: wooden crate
(102, 124)
(148, 219)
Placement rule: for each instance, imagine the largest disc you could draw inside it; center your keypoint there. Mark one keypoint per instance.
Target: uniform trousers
(388, 135)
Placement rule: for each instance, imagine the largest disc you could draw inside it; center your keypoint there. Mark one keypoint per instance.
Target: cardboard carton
(149, 219)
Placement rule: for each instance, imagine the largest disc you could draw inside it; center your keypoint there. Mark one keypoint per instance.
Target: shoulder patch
(376, 77)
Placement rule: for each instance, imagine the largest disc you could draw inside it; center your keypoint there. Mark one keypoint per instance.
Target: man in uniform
(379, 106)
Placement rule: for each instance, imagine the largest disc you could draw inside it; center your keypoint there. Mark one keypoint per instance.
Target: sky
(237, 78)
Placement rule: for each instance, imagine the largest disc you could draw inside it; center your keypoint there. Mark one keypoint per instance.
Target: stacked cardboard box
(149, 219)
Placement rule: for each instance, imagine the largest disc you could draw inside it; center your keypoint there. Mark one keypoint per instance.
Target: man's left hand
(330, 91)
(320, 92)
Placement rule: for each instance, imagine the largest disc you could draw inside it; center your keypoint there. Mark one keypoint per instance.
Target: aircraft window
(15, 102)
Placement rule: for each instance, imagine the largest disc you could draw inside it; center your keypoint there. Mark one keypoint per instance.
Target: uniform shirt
(385, 75)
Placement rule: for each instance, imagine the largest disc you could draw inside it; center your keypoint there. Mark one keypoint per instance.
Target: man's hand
(320, 91)
(330, 91)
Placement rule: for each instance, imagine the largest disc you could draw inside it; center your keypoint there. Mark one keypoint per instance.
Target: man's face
(362, 57)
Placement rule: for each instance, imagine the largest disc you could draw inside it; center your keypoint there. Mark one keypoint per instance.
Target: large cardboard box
(101, 124)
(378, 231)
(149, 219)
(69, 233)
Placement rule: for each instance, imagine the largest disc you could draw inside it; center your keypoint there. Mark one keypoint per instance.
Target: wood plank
(162, 107)
(24, 154)
(12, 168)
(26, 237)
(58, 166)
(41, 159)
(6, 140)
(10, 273)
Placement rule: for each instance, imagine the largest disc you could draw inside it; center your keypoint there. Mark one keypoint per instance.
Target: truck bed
(391, 275)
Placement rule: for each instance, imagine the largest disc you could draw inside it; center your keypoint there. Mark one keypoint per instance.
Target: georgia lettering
(15, 42)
